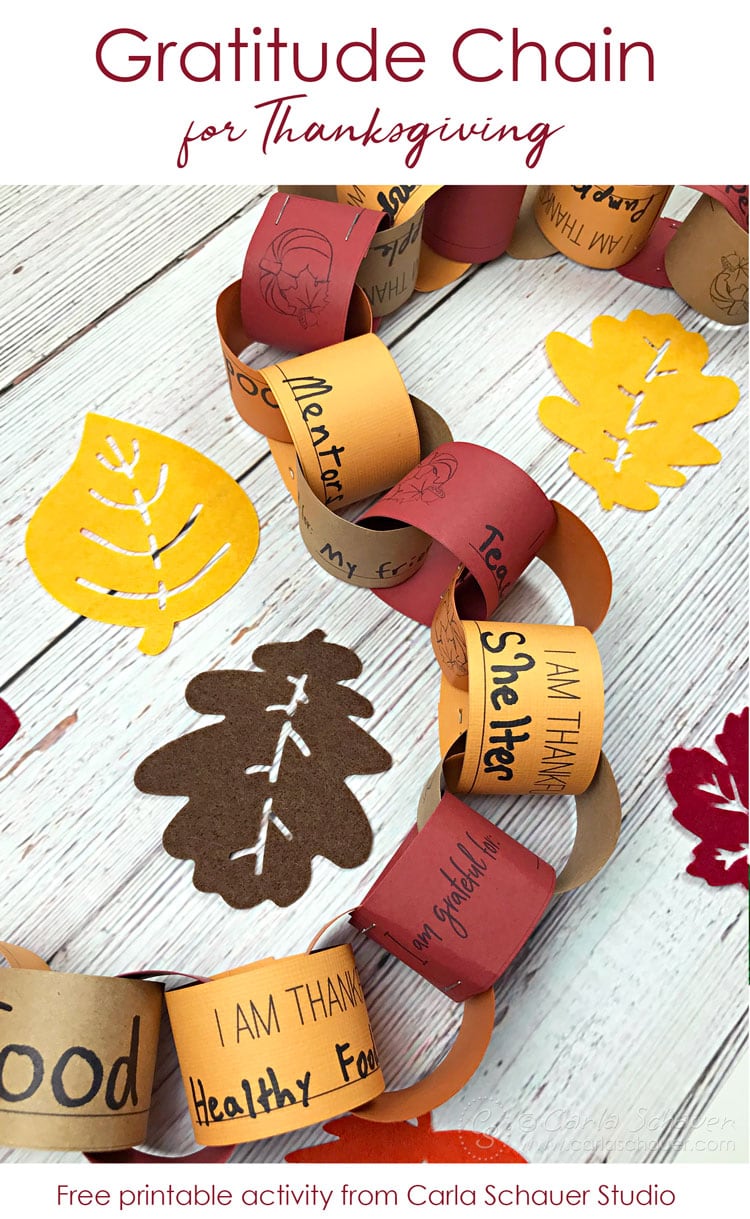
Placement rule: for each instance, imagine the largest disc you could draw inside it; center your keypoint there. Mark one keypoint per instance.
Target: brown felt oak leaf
(640, 393)
(712, 802)
(266, 787)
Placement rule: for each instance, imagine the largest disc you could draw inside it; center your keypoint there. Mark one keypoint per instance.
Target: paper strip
(77, 1057)
(576, 558)
(300, 270)
(707, 262)
(599, 226)
(533, 716)
(206, 1155)
(389, 272)
(573, 553)
(472, 223)
(482, 511)
(437, 272)
(248, 387)
(371, 556)
(733, 198)
(351, 443)
(598, 819)
(399, 203)
(274, 1046)
(449, 1076)
(527, 240)
(457, 901)
(648, 265)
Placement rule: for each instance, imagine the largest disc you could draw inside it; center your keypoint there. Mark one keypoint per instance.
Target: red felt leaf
(359, 1142)
(9, 723)
(711, 796)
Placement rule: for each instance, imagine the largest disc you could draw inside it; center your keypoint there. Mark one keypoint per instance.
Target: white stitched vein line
(652, 372)
(728, 857)
(725, 804)
(140, 505)
(287, 733)
(155, 552)
(298, 697)
(113, 503)
(268, 815)
(126, 467)
(180, 588)
(632, 425)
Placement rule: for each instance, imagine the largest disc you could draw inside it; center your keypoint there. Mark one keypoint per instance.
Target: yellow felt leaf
(141, 531)
(640, 393)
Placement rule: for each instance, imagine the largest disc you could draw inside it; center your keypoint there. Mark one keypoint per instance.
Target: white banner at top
(235, 91)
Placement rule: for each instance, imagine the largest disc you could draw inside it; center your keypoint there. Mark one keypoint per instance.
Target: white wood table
(622, 1016)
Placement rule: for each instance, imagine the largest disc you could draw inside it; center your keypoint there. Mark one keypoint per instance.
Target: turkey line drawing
(265, 796)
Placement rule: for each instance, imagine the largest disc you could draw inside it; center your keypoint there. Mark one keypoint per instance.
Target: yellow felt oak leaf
(141, 531)
(641, 392)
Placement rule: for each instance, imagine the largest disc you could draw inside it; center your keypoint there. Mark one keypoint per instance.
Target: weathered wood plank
(69, 254)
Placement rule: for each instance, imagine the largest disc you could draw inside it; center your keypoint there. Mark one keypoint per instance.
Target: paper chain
(521, 706)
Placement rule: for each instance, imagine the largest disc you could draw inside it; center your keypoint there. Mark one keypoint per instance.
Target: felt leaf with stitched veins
(711, 795)
(266, 786)
(141, 531)
(640, 393)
